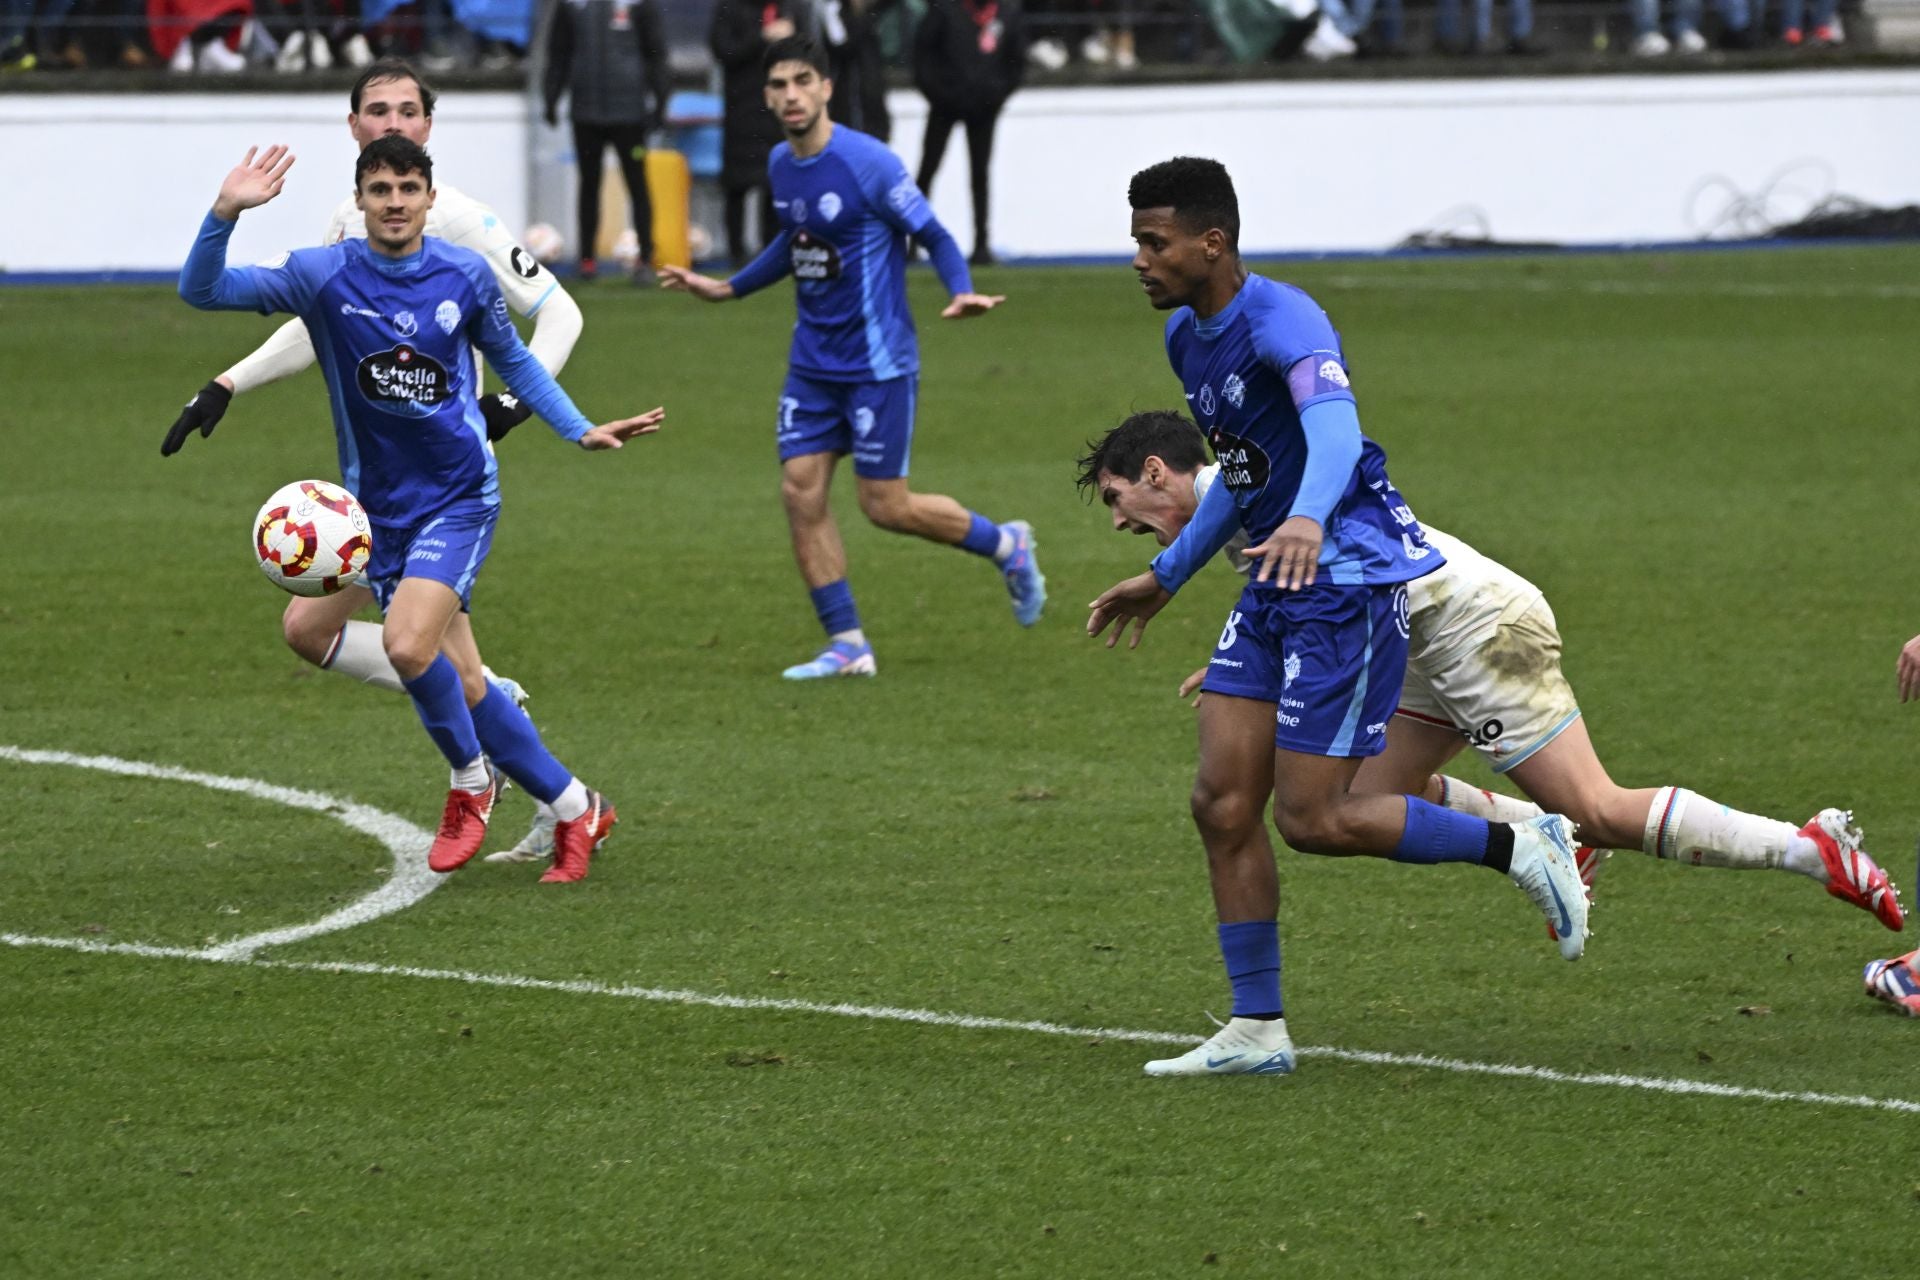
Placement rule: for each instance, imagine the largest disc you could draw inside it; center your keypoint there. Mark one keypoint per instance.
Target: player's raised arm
(206, 282)
(257, 179)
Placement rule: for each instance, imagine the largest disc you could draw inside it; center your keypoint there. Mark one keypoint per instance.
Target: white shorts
(1507, 696)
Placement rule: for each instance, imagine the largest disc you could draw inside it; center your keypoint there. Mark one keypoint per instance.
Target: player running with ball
(394, 319)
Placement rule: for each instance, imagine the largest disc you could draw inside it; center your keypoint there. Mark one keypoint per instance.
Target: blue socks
(514, 744)
(1433, 834)
(1251, 949)
(983, 536)
(834, 605)
(442, 705)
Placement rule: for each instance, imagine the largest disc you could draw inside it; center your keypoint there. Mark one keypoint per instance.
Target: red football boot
(574, 842)
(1852, 876)
(463, 827)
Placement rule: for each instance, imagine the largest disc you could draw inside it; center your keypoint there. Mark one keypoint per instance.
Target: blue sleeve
(1332, 428)
(208, 283)
(773, 263)
(890, 189)
(946, 255)
(491, 330)
(1214, 523)
(1293, 337)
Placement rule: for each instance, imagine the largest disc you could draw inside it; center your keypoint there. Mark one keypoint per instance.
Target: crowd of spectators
(1054, 36)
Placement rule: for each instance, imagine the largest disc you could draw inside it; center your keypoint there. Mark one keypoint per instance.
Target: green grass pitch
(1707, 461)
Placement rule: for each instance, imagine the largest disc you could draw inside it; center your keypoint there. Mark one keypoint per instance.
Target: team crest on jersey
(830, 206)
(1330, 371)
(863, 421)
(404, 324)
(797, 209)
(1234, 390)
(813, 258)
(403, 379)
(1290, 670)
(1206, 402)
(447, 316)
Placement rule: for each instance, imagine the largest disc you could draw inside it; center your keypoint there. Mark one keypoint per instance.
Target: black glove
(203, 411)
(503, 412)
(553, 117)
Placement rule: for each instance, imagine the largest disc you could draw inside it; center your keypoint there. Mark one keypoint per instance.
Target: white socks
(1003, 552)
(571, 804)
(360, 654)
(1464, 797)
(472, 776)
(1684, 826)
(855, 636)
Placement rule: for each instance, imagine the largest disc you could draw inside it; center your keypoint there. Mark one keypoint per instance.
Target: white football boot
(1547, 869)
(536, 845)
(1242, 1046)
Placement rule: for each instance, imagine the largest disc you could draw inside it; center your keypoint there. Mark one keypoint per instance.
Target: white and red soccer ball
(312, 538)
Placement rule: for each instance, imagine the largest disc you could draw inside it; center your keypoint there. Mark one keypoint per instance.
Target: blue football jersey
(394, 339)
(1249, 372)
(845, 215)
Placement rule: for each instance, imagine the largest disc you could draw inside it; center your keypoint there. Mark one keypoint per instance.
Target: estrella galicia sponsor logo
(813, 258)
(404, 324)
(447, 316)
(1207, 404)
(830, 205)
(1234, 390)
(403, 377)
(348, 309)
(524, 264)
(1242, 464)
(1331, 372)
(797, 209)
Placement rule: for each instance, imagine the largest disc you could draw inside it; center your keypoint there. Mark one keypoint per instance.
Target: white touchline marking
(1387, 281)
(410, 882)
(931, 1017)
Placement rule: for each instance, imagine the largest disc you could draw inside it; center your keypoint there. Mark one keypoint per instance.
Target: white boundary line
(411, 881)
(407, 842)
(1388, 282)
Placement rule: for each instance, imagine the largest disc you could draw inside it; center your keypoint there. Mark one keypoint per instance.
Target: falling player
(394, 319)
(846, 207)
(1320, 633)
(1483, 668)
(389, 97)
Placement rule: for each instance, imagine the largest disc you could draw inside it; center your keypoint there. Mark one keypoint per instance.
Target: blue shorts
(450, 548)
(873, 421)
(1331, 658)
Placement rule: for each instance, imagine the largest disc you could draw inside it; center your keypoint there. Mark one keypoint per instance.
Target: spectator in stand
(851, 31)
(968, 58)
(1736, 24)
(302, 28)
(612, 54)
(1793, 22)
(199, 35)
(1480, 38)
(740, 34)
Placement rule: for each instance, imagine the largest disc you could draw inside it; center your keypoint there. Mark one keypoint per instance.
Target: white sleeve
(529, 288)
(287, 352)
(290, 349)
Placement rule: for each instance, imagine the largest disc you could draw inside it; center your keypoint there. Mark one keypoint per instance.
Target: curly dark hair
(1123, 451)
(1197, 190)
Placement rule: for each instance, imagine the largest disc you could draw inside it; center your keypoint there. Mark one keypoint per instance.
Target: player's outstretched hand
(971, 304)
(612, 435)
(203, 413)
(1290, 555)
(1130, 603)
(1910, 670)
(706, 288)
(1191, 685)
(254, 181)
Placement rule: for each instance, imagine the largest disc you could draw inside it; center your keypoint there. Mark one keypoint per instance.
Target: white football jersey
(460, 219)
(1454, 609)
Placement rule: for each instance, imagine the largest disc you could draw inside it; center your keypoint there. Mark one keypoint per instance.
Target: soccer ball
(544, 242)
(312, 538)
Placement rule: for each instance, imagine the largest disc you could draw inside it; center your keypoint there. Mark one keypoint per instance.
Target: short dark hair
(391, 69)
(402, 155)
(797, 49)
(1153, 433)
(1197, 190)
